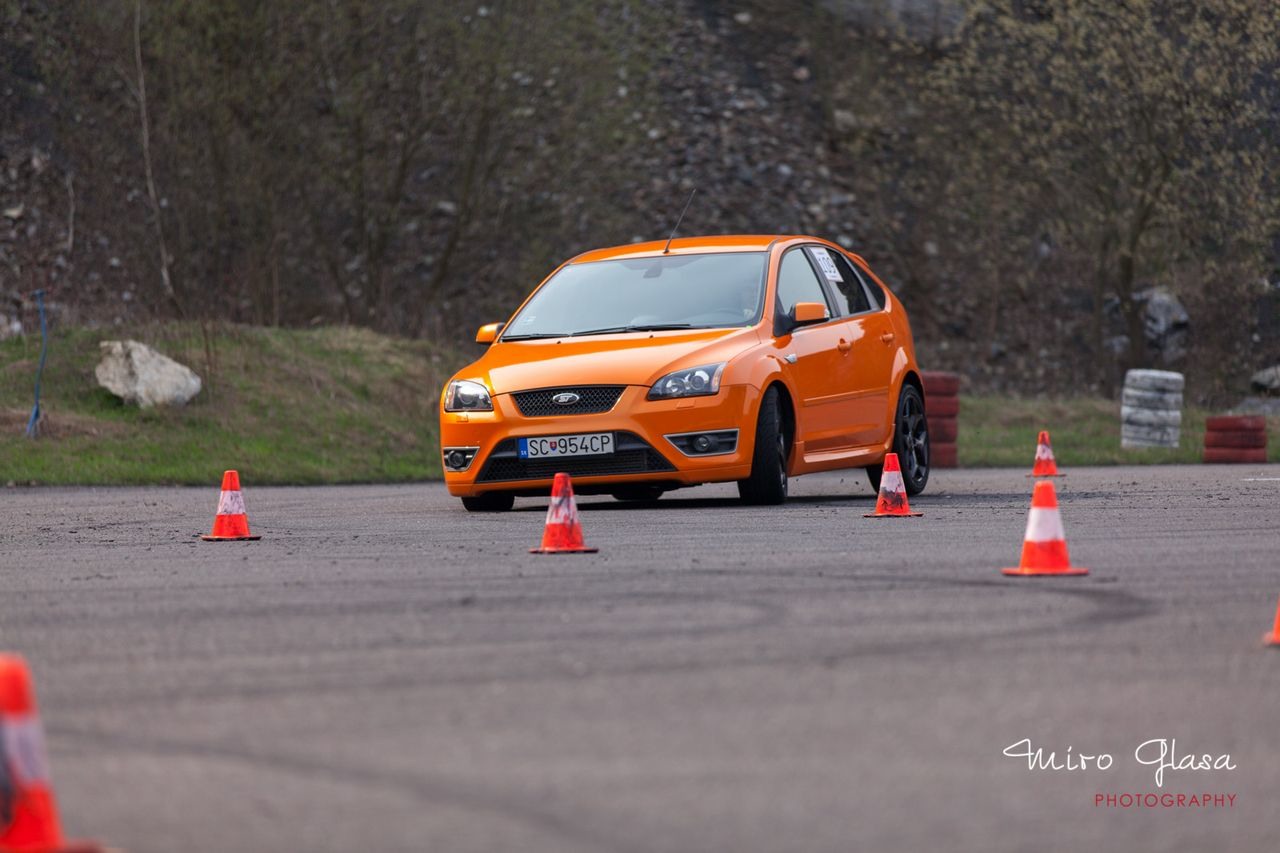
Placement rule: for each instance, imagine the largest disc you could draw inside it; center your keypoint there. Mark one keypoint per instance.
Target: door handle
(887, 338)
(844, 346)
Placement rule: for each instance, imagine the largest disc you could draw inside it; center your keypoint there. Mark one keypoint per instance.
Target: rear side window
(873, 289)
(851, 297)
(797, 282)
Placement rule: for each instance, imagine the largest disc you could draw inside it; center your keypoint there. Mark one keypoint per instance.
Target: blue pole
(33, 425)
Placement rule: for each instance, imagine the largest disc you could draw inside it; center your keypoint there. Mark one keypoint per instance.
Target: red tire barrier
(942, 455)
(940, 383)
(1234, 455)
(943, 430)
(1235, 438)
(1250, 423)
(940, 405)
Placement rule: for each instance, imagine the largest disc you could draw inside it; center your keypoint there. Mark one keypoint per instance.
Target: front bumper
(643, 453)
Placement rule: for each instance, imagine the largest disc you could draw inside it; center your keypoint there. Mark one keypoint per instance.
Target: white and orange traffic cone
(1044, 548)
(1273, 639)
(28, 814)
(892, 502)
(1045, 465)
(563, 531)
(231, 523)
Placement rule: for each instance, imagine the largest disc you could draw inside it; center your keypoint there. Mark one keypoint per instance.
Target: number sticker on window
(828, 266)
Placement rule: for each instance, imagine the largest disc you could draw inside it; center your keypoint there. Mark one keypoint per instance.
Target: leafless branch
(71, 214)
(166, 279)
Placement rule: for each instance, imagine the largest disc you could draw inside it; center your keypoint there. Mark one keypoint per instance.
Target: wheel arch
(788, 407)
(912, 378)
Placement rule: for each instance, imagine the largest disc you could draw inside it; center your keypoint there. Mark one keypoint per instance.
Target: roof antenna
(667, 248)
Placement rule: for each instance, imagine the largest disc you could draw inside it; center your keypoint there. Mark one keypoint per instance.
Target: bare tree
(140, 91)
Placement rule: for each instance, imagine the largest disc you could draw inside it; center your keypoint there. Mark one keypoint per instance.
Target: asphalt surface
(384, 671)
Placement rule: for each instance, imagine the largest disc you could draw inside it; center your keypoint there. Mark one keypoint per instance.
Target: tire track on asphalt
(427, 789)
(1107, 607)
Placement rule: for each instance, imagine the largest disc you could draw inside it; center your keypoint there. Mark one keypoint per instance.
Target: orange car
(644, 368)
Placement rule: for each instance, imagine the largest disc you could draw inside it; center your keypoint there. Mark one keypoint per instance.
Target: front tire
(910, 442)
(490, 502)
(768, 481)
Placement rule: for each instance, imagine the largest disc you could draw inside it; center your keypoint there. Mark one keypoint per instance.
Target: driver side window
(797, 282)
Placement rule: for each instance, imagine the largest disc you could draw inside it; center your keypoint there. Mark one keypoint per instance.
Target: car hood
(638, 358)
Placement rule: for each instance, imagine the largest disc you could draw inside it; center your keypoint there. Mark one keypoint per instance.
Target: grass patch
(330, 405)
(1002, 431)
(345, 405)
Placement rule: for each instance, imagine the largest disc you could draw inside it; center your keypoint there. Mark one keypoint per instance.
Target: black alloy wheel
(768, 481)
(910, 442)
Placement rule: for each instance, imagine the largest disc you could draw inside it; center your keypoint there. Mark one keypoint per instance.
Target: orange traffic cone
(231, 524)
(1045, 465)
(1273, 639)
(892, 502)
(28, 815)
(563, 532)
(1044, 548)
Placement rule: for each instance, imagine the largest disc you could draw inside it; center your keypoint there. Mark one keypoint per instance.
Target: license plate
(548, 446)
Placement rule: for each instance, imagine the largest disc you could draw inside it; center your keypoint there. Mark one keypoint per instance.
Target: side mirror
(804, 313)
(801, 314)
(489, 333)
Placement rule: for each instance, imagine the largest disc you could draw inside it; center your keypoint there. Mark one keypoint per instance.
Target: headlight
(464, 395)
(693, 382)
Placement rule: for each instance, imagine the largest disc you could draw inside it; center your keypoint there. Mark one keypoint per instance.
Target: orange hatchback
(644, 368)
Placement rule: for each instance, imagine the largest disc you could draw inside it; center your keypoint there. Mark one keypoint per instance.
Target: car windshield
(710, 291)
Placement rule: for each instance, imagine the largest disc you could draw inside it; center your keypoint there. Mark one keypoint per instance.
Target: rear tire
(1252, 423)
(768, 481)
(490, 502)
(910, 442)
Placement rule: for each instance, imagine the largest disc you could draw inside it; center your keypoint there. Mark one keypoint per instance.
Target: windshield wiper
(641, 327)
(533, 337)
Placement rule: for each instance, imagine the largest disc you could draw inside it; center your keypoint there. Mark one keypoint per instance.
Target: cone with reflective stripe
(28, 816)
(231, 524)
(892, 502)
(1044, 548)
(1045, 465)
(563, 531)
(1273, 639)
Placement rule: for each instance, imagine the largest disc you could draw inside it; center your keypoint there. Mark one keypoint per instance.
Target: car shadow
(591, 503)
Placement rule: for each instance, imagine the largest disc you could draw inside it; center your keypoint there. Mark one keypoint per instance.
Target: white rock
(138, 374)
(1267, 380)
(1166, 323)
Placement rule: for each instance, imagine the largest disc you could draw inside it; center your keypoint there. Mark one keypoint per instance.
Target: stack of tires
(942, 407)
(1235, 439)
(1151, 409)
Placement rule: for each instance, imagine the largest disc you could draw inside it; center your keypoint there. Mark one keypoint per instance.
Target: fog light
(458, 458)
(718, 442)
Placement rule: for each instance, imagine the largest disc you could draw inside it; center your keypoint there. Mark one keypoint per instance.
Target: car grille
(633, 456)
(592, 400)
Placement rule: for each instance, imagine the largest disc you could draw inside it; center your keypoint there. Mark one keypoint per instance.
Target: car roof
(690, 246)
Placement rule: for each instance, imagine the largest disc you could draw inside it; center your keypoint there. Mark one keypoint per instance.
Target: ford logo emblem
(568, 398)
